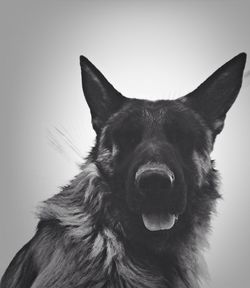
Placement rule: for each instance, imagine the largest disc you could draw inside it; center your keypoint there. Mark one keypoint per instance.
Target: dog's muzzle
(154, 182)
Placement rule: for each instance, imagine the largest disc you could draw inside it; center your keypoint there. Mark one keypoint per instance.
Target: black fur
(150, 158)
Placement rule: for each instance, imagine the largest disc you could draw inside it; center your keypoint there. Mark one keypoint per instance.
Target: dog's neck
(124, 265)
(154, 270)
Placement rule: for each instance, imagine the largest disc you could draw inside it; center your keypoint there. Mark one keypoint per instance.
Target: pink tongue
(156, 222)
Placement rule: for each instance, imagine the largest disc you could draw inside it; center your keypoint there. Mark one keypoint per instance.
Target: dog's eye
(184, 141)
(126, 139)
(133, 140)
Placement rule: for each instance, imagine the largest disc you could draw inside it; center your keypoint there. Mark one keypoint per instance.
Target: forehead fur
(144, 113)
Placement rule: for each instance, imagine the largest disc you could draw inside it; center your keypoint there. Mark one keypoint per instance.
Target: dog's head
(155, 155)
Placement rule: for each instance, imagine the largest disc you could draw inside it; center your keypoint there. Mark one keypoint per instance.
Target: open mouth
(159, 221)
(155, 185)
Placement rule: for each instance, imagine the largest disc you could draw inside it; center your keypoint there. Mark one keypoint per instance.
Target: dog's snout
(154, 178)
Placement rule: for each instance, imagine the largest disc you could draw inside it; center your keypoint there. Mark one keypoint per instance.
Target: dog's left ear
(101, 96)
(214, 97)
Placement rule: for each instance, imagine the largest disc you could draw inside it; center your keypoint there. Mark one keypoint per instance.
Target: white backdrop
(147, 49)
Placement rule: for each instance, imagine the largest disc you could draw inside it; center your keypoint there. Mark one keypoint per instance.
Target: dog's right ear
(101, 96)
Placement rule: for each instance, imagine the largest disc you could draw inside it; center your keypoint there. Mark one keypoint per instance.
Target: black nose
(155, 182)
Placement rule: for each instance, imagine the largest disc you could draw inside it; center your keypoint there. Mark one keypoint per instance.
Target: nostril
(155, 182)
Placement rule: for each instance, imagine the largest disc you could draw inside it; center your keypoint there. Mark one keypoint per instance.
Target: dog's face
(156, 155)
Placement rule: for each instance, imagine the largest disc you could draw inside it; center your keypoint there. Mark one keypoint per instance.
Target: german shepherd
(138, 213)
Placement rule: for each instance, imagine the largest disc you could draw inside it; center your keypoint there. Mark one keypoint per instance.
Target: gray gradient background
(149, 49)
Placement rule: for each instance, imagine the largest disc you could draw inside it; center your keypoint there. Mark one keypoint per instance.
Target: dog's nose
(154, 179)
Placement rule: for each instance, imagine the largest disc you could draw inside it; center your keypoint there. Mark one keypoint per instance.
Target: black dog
(138, 213)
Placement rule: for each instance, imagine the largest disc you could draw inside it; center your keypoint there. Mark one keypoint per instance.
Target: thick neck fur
(99, 251)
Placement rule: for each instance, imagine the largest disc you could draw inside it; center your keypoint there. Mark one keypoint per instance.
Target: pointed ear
(214, 97)
(102, 98)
